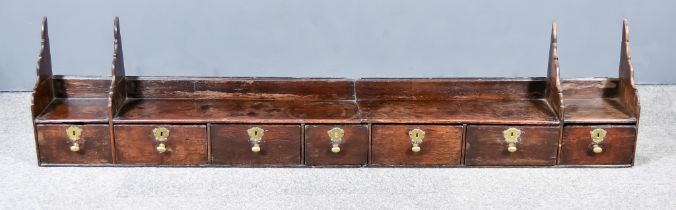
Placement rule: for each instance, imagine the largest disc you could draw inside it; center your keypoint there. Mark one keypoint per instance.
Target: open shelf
(236, 111)
(456, 101)
(74, 110)
(604, 100)
(280, 121)
(238, 100)
(74, 99)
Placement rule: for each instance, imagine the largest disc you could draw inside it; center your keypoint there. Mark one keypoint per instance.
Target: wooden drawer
(55, 146)
(487, 145)
(392, 145)
(616, 148)
(138, 144)
(278, 145)
(336, 144)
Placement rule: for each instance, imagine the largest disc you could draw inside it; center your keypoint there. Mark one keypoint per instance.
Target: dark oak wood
(118, 85)
(535, 111)
(241, 88)
(554, 93)
(354, 146)
(81, 87)
(391, 145)
(43, 92)
(75, 99)
(66, 99)
(486, 146)
(628, 93)
(590, 88)
(45, 58)
(434, 89)
(276, 89)
(598, 110)
(594, 101)
(485, 101)
(237, 111)
(72, 110)
(55, 145)
(209, 116)
(118, 91)
(42, 96)
(604, 100)
(135, 144)
(618, 146)
(281, 145)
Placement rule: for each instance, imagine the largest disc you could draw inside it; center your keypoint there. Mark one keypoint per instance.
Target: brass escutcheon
(255, 138)
(74, 134)
(598, 136)
(512, 136)
(417, 136)
(336, 138)
(161, 136)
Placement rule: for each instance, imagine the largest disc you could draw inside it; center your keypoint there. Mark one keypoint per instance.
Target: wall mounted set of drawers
(455, 122)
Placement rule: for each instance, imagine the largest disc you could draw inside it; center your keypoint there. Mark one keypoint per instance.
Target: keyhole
(416, 135)
(511, 133)
(598, 135)
(255, 133)
(161, 133)
(73, 133)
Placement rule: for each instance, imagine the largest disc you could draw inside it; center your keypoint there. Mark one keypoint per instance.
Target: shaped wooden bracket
(118, 85)
(118, 91)
(627, 88)
(43, 93)
(554, 92)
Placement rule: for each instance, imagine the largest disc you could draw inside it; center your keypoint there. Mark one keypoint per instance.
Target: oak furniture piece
(122, 120)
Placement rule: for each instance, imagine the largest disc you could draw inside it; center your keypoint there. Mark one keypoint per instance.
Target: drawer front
(614, 145)
(151, 144)
(336, 144)
(74, 144)
(255, 144)
(394, 145)
(489, 145)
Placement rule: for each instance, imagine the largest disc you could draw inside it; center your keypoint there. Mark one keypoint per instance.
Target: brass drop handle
(161, 137)
(255, 138)
(417, 137)
(597, 136)
(512, 136)
(74, 134)
(336, 138)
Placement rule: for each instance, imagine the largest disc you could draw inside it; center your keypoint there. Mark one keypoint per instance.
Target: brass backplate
(417, 135)
(74, 133)
(255, 134)
(598, 135)
(161, 134)
(512, 135)
(336, 135)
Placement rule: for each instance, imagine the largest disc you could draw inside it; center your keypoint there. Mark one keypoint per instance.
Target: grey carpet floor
(650, 184)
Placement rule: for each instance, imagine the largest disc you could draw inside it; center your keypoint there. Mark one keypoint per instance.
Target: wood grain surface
(234, 111)
(54, 144)
(618, 146)
(354, 146)
(391, 145)
(536, 111)
(486, 146)
(186, 145)
(281, 145)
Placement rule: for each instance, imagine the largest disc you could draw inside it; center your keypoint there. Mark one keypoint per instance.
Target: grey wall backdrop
(314, 38)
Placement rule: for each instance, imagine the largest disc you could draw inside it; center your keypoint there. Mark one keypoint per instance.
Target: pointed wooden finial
(44, 67)
(118, 57)
(553, 65)
(626, 68)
